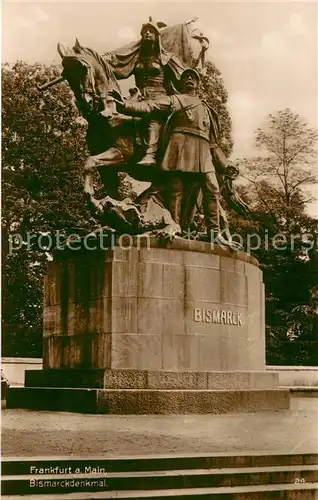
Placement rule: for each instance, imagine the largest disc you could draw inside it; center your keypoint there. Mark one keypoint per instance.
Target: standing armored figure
(156, 73)
(190, 148)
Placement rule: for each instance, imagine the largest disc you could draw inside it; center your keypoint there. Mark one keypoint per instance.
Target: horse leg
(109, 158)
(107, 164)
(88, 177)
(88, 184)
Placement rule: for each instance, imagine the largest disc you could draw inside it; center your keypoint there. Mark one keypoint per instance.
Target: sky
(266, 51)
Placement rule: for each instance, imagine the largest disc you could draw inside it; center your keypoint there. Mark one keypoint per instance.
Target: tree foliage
(213, 91)
(287, 163)
(127, 187)
(43, 149)
(276, 190)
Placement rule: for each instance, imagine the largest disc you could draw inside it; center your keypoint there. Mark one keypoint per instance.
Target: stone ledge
(140, 379)
(147, 401)
(21, 361)
(134, 243)
(302, 392)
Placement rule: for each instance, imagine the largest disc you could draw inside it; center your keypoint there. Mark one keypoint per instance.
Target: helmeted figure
(156, 73)
(190, 148)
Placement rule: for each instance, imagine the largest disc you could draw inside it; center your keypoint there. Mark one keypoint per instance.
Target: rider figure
(156, 74)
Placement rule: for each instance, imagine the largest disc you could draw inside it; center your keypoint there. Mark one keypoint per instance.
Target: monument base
(157, 327)
(146, 401)
(147, 392)
(145, 379)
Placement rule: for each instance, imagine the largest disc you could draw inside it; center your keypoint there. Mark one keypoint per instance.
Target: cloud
(128, 33)
(273, 43)
(38, 14)
(216, 37)
(284, 40)
(34, 16)
(297, 25)
(247, 111)
(21, 22)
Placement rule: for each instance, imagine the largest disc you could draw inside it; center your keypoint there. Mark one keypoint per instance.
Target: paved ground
(31, 433)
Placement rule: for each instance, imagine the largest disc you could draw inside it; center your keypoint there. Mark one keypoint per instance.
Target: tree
(286, 164)
(287, 253)
(212, 89)
(126, 188)
(43, 150)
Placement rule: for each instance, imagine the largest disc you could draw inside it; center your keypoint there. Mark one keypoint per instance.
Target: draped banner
(184, 40)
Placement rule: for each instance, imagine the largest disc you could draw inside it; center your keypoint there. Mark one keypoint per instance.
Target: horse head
(90, 78)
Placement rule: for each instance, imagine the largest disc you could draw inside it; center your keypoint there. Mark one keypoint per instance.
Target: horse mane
(102, 62)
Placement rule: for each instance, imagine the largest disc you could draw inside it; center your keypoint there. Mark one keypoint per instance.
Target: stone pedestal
(179, 317)
(180, 308)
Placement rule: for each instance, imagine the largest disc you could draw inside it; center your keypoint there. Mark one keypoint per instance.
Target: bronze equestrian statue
(163, 134)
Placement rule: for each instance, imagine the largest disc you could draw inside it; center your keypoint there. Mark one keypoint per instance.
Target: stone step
(147, 463)
(145, 379)
(147, 401)
(154, 480)
(303, 392)
(259, 492)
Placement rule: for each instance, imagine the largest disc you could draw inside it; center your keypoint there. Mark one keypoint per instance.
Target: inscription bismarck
(220, 316)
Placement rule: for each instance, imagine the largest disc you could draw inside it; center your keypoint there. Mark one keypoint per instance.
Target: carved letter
(223, 317)
(208, 316)
(235, 318)
(216, 316)
(239, 319)
(229, 318)
(197, 314)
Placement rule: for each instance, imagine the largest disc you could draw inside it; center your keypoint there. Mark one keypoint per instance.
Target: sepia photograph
(159, 334)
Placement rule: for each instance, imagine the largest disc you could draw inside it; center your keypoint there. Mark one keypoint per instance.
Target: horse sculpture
(111, 138)
(112, 141)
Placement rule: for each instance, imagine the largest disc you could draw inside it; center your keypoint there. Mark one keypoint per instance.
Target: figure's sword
(193, 20)
(49, 84)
